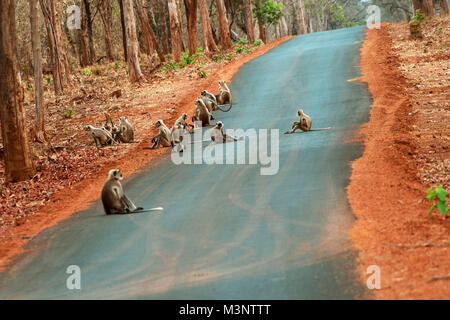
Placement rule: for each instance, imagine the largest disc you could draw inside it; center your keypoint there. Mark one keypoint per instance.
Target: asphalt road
(228, 232)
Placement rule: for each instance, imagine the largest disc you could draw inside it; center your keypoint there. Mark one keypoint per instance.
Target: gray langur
(113, 198)
(102, 137)
(163, 138)
(126, 131)
(217, 135)
(202, 114)
(224, 96)
(303, 124)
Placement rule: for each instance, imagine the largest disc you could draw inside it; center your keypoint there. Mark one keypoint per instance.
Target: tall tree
(83, 43)
(299, 9)
(148, 29)
(134, 69)
(18, 164)
(60, 64)
(175, 30)
(192, 22)
(248, 16)
(148, 42)
(89, 18)
(210, 44)
(124, 33)
(426, 6)
(224, 31)
(105, 9)
(37, 64)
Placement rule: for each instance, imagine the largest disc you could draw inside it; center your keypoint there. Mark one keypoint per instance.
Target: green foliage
(49, 80)
(419, 16)
(65, 131)
(68, 113)
(437, 195)
(257, 43)
(203, 73)
(438, 30)
(115, 65)
(339, 18)
(30, 89)
(86, 72)
(243, 50)
(170, 65)
(268, 13)
(242, 42)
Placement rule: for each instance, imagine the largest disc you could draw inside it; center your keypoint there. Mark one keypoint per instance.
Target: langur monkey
(217, 135)
(111, 127)
(102, 137)
(181, 123)
(163, 138)
(114, 199)
(303, 124)
(202, 114)
(224, 96)
(126, 132)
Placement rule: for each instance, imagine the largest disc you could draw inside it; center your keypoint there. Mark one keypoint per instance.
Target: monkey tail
(321, 129)
(231, 106)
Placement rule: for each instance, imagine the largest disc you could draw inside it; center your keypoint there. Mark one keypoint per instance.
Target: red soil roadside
(62, 204)
(393, 229)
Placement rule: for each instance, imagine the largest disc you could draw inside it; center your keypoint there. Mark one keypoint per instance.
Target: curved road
(228, 232)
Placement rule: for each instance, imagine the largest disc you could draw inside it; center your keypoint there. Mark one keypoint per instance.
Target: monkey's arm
(129, 205)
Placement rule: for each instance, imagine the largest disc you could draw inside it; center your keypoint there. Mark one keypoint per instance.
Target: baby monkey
(303, 124)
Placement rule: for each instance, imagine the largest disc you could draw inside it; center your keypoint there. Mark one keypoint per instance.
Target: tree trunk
(210, 44)
(149, 30)
(105, 9)
(84, 53)
(18, 164)
(134, 69)
(37, 62)
(92, 56)
(248, 16)
(262, 28)
(224, 31)
(299, 9)
(183, 45)
(426, 6)
(148, 42)
(192, 22)
(124, 33)
(175, 30)
(60, 68)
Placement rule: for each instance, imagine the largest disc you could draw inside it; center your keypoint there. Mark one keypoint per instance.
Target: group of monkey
(113, 197)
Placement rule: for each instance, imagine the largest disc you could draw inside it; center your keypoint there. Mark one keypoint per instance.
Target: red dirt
(61, 204)
(393, 229)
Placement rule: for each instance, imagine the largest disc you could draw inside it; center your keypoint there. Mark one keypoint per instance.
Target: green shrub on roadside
(419, 16)
(437, 194)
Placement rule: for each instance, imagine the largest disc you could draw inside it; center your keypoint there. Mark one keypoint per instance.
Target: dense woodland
(44, 42)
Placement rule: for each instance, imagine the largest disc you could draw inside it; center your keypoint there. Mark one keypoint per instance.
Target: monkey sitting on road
(181, 122)
(224, 96)
(217, 135)
(102, 137)
(126, 131)
(113, 198)
(202, 113)
(163, 138)
(303, 124)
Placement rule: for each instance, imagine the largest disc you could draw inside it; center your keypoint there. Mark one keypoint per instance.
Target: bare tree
(105, 9)
(224, 31)
(134, 69)
(89, 19)
(248, 16)
(192, 22)
(37, 64)
(175, 30)
(18, 164)
(148, 29)
(124, 33)
(60, 64)
(426, 6)
(210, 44)
(84, 52)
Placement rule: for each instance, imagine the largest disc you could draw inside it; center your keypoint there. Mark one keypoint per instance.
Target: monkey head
(88, 128)
(300, 112)
(184, 116)
(219, 124)
(159, 123)
(204, 93)
(115, 174)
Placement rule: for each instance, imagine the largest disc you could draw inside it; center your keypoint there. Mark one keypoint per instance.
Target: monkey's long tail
(321, 129)
(231, 106)
(147, 210)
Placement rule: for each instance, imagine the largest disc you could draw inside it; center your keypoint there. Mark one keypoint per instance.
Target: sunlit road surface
(228, 232)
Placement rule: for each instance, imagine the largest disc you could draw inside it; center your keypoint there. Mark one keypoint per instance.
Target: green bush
(437, 195)
(257, 43)
(86, 72)
(419, 16)
(242, 42)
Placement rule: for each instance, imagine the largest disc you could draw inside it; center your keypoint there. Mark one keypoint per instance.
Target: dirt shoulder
(32, 206)
(406, 150)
